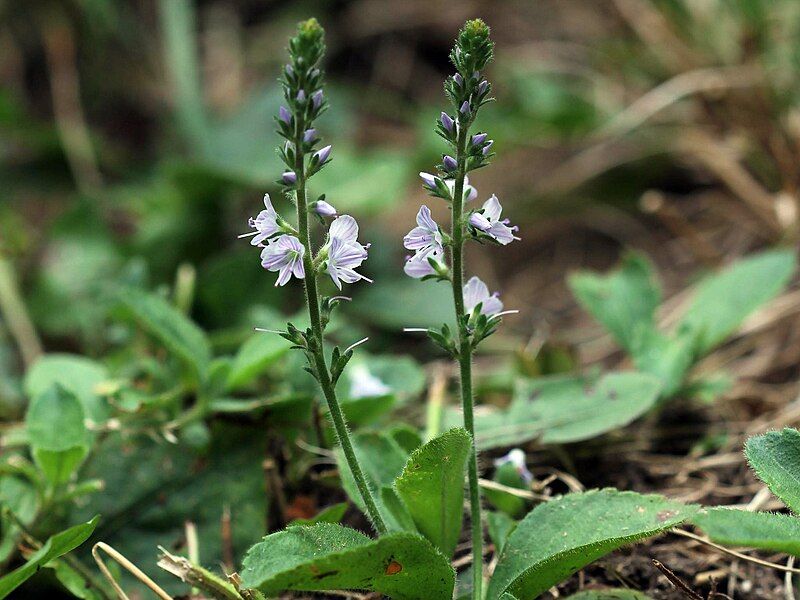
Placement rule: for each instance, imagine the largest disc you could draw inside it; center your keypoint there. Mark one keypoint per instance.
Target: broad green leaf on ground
(151, 489)
(723, 300)
(401, 303)
(169, 326)
(563, 409)
(766, 531)
(254, 357)
(405, 435)
(624, 301)
(330, 514)
(665, 356)
(775, 457)
(58, 545)
(57, 433)
(364, 411)
(559, 537)
(609, 595)
(432, 487)
(403, 566)
(500, 526)
(78, 374)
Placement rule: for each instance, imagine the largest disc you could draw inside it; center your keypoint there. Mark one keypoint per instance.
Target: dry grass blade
(128, 566)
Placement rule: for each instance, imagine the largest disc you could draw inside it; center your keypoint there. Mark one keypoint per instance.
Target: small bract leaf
(775, 457)
(559, 537)
(766, 531)
(432, 487)
(321, 557)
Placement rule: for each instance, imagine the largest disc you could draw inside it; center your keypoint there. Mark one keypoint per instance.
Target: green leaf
(78, 374)
(432, 487)
(331, 514)
(507, 475)
(724, 300)
(500, 526)
(58, 545)
(73, 581)
(775, 457)
(624, 301)
(564, 409)
(559, 537)
(403, 566)
(57, 433)
(667, 357)
(254, 357)
(766, 531)
(169, 326)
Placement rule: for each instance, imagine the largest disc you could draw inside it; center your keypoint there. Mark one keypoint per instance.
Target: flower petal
(344, 228)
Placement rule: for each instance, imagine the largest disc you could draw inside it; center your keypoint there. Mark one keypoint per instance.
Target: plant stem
(465, 360)
(320, 366)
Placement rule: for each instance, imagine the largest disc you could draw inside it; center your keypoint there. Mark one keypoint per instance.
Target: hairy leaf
(624, 301)
(320, 557)
(432, 487)
(559, 537)
(564, 409)
(767, 531)
(57, 545)
(169, 326)
(724, 300)
(775, 457)
(57, 433)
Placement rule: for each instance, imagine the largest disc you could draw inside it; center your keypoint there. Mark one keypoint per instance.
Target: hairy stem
(465, 360)
(320, 366)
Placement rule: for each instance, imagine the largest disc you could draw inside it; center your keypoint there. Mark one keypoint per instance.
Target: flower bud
(284, 115)
(487, 147)
(478, 139)
(301, 96)
(289, 177)
(316, 99)
(449, 163)
(447, 122)
(309, 135)
(323, 154)
(464, 110)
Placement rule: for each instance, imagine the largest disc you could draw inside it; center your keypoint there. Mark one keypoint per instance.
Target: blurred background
(136, 138)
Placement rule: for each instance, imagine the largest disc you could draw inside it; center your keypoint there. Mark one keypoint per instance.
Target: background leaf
(57, 433)
(724, 300)
(538, 554)
(403, 566)
(766, 531)
(57, 545)
(775, 457)
(432, 487)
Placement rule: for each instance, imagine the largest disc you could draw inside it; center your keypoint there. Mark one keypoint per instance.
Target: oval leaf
(559, 537)
(432, 487)
(766, 531)
(775, 457)
(325, 556)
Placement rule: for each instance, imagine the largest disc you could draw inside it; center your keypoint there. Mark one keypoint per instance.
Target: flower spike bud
(316, 99)
(289, 70)
(483, 87)
(289, 178)
(323, 155)
(458, 79)
(301, 96)
(487, 146)
(323, 209)
(449, 163)
(428, 179)
(309, 135)
(464, 110)
(478, 139)
(473, 48)
(447, 122)
(284, 115)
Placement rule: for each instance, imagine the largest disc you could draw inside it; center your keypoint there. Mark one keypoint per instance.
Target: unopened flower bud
(289, 177)
(284, 115)
(449, 163)
(447, 122)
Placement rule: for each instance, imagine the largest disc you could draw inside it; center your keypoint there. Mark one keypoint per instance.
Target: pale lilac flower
(449, 163)
(284, 114)
(364, 384)
(265, 223)
(289, 178)
(324, 209)
(447, 122)
(517, 458)
(489, 222)
(285, 255)
(345, 228)
(309, 135)
(419, 266)
(345, 253)
(316, 99)
(476, 292)
(470, 193)
(323, 154)
(428, 179)
(425, 238)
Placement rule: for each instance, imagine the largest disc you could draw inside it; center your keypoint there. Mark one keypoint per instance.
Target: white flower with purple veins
(516, 458)
(476, 292)
(425, 237)
(419, 265)
(265, 224)
(489, 222)
(285, 255)
(364, 384)
(345, 253)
